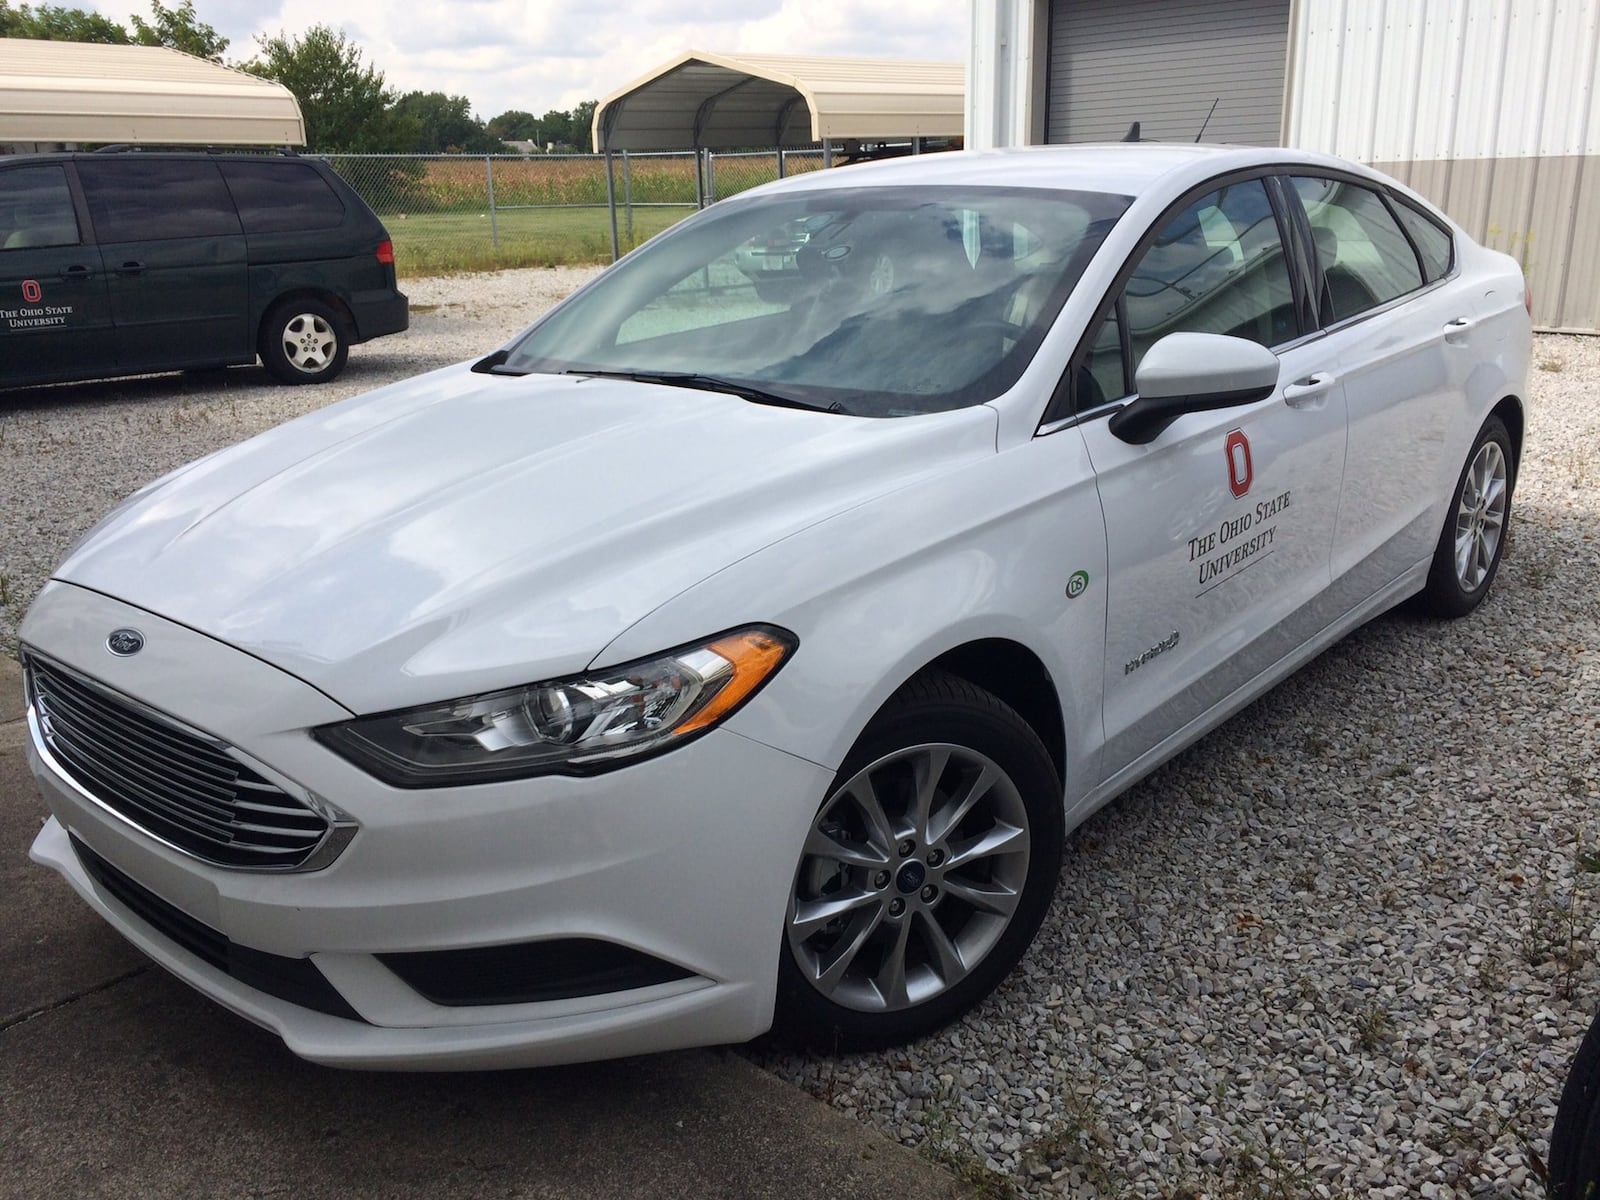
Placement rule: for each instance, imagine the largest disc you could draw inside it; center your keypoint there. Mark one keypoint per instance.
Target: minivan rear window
(148, 199)
(282, 197)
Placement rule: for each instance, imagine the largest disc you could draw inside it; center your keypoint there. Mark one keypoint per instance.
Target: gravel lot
(1343, 947)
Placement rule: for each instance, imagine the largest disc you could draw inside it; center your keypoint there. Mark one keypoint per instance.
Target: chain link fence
(458, 212)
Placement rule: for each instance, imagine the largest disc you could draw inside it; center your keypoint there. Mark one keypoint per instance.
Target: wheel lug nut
(896, 907)
(881, 879)
(928, 893)
(907, 848)
(935, 857)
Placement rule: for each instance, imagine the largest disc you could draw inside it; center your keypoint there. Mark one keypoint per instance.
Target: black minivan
(127, 262)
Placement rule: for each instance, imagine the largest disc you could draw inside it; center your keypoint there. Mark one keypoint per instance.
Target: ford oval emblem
(124, 642)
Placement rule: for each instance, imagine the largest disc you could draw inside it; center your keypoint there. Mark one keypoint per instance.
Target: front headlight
(573, 726)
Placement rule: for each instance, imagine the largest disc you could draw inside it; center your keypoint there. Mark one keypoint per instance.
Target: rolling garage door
(1162, 63)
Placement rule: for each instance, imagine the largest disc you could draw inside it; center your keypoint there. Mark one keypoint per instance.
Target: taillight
(386, 252)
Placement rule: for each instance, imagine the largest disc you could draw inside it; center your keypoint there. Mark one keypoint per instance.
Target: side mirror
(1194, 372)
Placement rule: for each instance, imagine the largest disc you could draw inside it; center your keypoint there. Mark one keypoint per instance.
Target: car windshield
(877, 301)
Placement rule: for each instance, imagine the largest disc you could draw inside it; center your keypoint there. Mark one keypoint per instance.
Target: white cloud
(542, 54)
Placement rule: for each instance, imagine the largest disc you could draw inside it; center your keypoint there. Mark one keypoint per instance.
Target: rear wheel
(304, 341)
(1575, 1141)
(926, 873)
(1474, 536)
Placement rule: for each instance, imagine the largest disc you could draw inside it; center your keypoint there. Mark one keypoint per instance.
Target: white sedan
(709, 659)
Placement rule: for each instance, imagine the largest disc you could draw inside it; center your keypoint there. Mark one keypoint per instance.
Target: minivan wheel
(925, 874)
(303, 341)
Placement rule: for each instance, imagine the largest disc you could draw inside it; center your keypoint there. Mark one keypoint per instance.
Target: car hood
(462, 532)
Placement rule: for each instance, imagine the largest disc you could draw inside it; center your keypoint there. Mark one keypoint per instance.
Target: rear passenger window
(148, 199)
(1365, 258)
(1217, 267)
(1433, 243)
(282, 197)
(36, 209)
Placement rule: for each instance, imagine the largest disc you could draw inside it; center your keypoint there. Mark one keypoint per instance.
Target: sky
(538, 55)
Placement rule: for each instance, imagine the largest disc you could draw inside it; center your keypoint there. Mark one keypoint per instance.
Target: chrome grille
(175, 785)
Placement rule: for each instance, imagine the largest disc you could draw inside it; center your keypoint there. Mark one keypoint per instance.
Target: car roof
(1122, 168)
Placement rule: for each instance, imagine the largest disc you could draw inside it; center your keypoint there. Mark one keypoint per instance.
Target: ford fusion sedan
(713, 656)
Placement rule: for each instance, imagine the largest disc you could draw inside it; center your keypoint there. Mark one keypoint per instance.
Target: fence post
(827, 154)
(627, 193)
(780, 162)
(699, 179)
(494, 221)
(611, 203)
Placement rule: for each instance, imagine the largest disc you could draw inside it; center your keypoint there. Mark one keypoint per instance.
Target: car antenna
(1133, 133)
(1207, 121)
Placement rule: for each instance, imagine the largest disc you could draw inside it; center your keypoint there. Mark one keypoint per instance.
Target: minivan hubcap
(1480, 516)
(911, 874)
(309, 342)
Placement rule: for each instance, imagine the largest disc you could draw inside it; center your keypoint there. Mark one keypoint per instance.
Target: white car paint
(465, 532)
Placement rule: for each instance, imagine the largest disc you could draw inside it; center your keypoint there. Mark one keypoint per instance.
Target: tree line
(347, 106)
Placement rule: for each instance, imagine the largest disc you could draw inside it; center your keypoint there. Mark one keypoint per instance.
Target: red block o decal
(31, 291)
(1240, 471)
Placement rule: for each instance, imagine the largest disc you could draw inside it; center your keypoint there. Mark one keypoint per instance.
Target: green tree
(50, 23)
(444, 124)
(344, 103)
(513, 125)
(180, 29)
(583, 125)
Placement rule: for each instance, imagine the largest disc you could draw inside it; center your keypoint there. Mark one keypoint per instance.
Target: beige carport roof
(84, 92)
(721, 101)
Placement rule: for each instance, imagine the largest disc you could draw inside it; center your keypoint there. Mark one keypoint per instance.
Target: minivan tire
(304, 341)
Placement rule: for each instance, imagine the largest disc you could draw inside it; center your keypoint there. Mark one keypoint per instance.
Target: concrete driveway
(116, 1080)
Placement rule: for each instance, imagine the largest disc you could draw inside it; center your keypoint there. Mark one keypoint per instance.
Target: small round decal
(1077, 585)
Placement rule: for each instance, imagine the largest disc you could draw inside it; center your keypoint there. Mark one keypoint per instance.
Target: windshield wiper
(704, 383)
(495, 365)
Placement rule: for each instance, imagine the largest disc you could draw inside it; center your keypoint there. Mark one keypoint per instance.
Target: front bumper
(686, 858)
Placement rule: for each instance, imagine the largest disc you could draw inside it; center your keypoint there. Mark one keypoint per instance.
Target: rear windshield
(282, 197)
(872, 301)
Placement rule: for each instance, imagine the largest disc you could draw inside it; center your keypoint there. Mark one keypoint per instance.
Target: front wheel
(303, 341)
(926, 873)
(1575, 1140)
(1474, 535)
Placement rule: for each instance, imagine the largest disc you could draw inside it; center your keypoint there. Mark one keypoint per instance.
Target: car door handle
(131, 268)
(1455, 332)
(1307, 392)
(77, 274)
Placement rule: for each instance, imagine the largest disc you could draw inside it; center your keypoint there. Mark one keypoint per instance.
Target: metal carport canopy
(88, 92)
(702, 100)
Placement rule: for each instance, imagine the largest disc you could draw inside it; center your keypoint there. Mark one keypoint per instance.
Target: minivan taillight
(386, 252)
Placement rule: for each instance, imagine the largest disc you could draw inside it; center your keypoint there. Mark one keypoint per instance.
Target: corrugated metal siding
(1162, 63)
(1490, 109)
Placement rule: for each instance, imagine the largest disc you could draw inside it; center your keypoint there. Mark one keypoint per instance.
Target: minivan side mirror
(1194, 372)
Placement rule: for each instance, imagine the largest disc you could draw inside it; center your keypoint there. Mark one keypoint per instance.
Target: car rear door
(1219, 531)
(55, 318)
(171, 241)
(1405, 336)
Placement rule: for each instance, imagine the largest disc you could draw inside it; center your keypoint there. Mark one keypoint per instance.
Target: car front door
(1218, 530)
(55, 319)
(175, 257)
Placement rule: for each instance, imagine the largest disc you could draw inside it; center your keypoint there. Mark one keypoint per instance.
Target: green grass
(450, 243)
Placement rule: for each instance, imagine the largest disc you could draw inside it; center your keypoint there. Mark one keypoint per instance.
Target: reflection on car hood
(461, 532)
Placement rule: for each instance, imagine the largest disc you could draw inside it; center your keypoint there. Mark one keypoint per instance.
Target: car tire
(1575, 1140)
(925, 874)
(304, 341)
(1473, 539)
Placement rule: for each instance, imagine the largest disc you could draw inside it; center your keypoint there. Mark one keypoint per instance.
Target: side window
(282, 197)
(1216, 267)
(136, 199)
(36, 209)
(1365, 258)
(1433, 243)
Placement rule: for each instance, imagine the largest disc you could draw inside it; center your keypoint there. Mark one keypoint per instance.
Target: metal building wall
(1490, 108)
(1162, 63)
